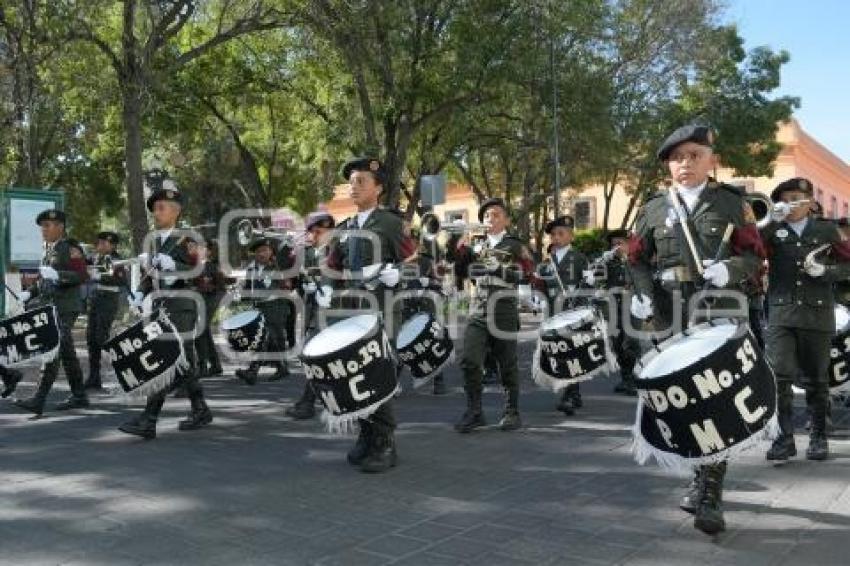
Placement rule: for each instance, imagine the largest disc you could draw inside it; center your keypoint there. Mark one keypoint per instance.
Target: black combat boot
(249, 375)
(72, 402)
(142, 425)
(305, 407)
(11, 378)
(439, 384)
(360, 450)
(510, 418)
(35, 404)
(709, 515)
(199, 416)
(473, 417)
(282, 371)
(382, 453)
(78, 398)
(564, 403)
(574, 395)
(818, 445)
(627, 384)
(94, 381)
(783, 447)
(690, 500)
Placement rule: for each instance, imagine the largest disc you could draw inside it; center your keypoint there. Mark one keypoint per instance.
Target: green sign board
(20, 237)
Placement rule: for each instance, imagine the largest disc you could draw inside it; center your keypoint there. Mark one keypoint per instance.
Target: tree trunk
(132, 121)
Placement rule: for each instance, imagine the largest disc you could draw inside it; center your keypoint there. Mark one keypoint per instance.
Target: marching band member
(375, 449)
(564, 270)
(104, 303)
(664, 269)
(319, 227)
(617, 281)
(261, 277)
(62, 271)
(494, 278)
(801, 315)
(170, 254)
(212, 285)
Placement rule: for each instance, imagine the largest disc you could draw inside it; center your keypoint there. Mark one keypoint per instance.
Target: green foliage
(590, 242)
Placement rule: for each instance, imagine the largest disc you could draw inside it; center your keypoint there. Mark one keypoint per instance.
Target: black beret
(487, 204)
(795, 184)
(322, 219)
(618, 233)
(690, 133)
(165, 194)
(566, 221)
(111, 237)
(262, 242)
(365, 164)
(50, 214)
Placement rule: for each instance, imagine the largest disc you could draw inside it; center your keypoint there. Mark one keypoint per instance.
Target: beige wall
(801, 156)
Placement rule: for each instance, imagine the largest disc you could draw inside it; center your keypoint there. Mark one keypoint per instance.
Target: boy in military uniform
(62, 271)
(617, 282)
(801, 319)
(501, 264)
(319, 227)
(111, 284)
(564, 271)
(664, 269)
(375, 449)
(261, 277)
(170, 254)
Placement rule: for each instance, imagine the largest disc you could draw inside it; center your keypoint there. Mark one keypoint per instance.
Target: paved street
(258, 488)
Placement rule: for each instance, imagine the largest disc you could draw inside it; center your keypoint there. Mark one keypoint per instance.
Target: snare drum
(839, 353)
(245, 331)
(704, 396)
(351, 368)
(424, 346)
(572, 347)
(147, 356)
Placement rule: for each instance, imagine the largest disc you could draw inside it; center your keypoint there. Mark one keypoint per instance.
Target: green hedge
(590, 242)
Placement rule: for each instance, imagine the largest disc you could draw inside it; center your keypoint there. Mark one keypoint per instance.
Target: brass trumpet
(246, 232)
(431, 227)
(767, 211)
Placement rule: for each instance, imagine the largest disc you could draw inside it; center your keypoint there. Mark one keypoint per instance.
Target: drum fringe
(165, 380)
(609, 352)
(678, 465)
(420, 381)
(346, 424)
(556, 384)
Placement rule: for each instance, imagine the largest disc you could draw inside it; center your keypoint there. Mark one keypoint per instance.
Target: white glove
(424, 282)
(136, 300)
(309, 287)
(815, 269)
(589, 277)
(164, 262)
(145, 260)
(389, 276)
(48, 273)
(323, 299)
(715, 272)
(641, 307)
(608, 255)
(96, 275)
(24, 296)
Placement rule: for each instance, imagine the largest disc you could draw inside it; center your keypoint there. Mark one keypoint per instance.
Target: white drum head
(239, 320)
(567, 319)
(688, 350)
(339, 335)
(842, 318)
(411, 329)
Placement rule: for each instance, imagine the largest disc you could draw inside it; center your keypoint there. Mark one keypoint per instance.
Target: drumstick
(722, 248)
(683, 222)
(11, 292)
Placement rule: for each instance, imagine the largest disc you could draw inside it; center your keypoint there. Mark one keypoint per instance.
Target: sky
(817, 35)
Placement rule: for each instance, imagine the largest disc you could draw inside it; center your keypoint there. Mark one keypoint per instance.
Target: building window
(833, 207)
(846, 209)
(584, 212)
